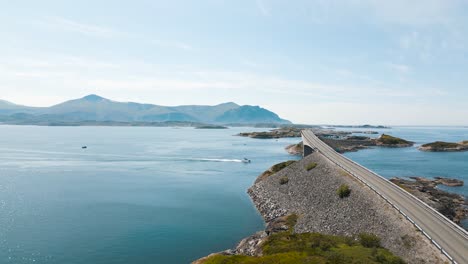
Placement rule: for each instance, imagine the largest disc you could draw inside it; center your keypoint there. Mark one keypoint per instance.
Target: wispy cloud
(65, 24)
(263, 8)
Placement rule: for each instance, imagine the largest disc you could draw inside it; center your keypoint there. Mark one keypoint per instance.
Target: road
(452, 239)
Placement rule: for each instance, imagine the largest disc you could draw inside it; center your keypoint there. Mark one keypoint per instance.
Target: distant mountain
(99, 109)
(249, 114)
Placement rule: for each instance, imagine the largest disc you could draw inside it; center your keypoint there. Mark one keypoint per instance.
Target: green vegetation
(283, 180)
(289, 248)
(311, 166)
(281, 166)
(343, 191)
(369, 240)
(464, 142)
(440, 145)
(274, 169)
(389, 140)
(291, 221)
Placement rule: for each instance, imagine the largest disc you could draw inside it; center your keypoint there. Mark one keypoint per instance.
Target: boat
(84, 147)
(246, 160)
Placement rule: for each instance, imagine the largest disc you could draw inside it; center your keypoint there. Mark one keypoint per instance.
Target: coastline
(309, 194)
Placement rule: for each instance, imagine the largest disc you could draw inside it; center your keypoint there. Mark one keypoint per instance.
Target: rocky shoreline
(310, 193)
(453, 206)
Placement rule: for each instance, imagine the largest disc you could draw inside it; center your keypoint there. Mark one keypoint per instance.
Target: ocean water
(135, 195)
(157, 195)
(408, 162)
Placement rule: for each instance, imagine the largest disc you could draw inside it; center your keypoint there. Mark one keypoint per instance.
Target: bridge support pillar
(307, 151)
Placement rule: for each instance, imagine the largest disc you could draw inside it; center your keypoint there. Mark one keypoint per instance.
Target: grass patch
(288, 248)
(274, 169)
(277, 167)
(343, 191)
(291, 221)
(441, 145)
(369, 240)
(389, 140)
(283, 180)
(311, 166)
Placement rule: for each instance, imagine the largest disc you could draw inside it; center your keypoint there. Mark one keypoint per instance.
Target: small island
(440, 146)
(210, 127)
(286, 132)
(355, 143)
(389, 141)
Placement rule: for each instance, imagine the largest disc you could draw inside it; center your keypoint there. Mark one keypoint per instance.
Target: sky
(393, 62)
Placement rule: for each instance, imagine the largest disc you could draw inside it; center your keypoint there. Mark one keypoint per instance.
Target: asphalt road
(452, 238)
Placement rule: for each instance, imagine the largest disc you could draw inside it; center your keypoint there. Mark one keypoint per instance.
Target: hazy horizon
(311, 62)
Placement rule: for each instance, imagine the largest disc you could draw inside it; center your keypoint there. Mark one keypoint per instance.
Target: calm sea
(155, 195)
(135, 195)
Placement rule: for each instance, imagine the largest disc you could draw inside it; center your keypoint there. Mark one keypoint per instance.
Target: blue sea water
(135, 195)
(408, 162)
(157, 195)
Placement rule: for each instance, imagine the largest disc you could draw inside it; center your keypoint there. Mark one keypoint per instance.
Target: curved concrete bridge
(451, 239)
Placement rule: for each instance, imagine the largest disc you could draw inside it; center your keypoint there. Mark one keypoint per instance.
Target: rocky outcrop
(440, 146)
(453, 206)
(390, 141)
(295, 149)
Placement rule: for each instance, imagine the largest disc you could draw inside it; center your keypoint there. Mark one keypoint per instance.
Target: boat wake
(215, 160)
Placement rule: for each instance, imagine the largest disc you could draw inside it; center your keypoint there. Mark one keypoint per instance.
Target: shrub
(311, 166)
(369, 240)
(291, 221)
(343, 191)
(283, 180)
(408, 241)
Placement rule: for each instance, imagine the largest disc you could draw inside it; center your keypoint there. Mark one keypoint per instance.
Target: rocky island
(211, 127)
(348, 143)
(392, 142)
(440, 146)
(317, 213)
(275, 133)
(453, 206)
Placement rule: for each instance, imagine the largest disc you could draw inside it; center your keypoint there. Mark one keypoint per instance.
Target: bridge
(447, 236)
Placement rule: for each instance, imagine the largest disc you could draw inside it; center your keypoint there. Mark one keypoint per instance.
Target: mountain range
(94, 108)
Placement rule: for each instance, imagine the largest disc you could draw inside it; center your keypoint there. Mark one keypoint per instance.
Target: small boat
(246, 160)
(84, 147)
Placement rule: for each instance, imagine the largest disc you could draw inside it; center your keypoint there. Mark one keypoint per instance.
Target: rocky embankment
(308, 189)
(440, 146)
(453, 206)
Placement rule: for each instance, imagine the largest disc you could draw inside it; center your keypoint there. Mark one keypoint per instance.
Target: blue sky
(319, 61)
